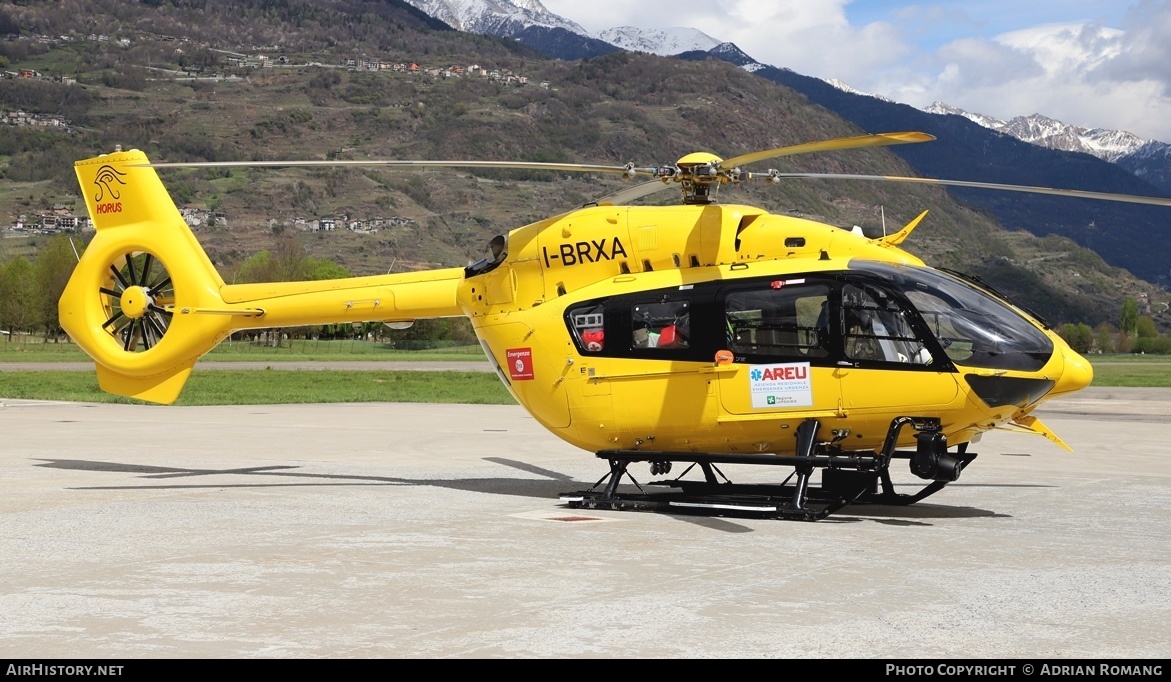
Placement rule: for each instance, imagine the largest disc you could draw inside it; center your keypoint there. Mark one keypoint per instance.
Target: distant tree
(17, 296)
(8, 22)
(51, 272)
(255, 268)
(456, 329)
(1145, 328)
(1160, 345)
(323, 268)
(290, 260)
(286, 263)
(1129, 316)
(1104, 338)
(1079, 336)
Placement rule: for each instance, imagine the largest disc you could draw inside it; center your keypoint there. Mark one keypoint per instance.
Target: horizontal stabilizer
(161, 388)
(1033, 425)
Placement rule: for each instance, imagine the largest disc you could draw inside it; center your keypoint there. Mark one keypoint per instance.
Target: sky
(1091, 63)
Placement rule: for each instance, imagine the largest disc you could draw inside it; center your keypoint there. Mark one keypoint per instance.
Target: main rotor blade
(629, 194)
(517, 165)
(876, 140)
(1105, 196)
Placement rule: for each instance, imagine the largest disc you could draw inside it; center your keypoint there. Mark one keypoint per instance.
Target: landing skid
(847, 477)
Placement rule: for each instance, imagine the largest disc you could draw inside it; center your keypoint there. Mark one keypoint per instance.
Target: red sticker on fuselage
(520, 363)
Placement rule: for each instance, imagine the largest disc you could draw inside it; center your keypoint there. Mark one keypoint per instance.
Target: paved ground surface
(391, 530)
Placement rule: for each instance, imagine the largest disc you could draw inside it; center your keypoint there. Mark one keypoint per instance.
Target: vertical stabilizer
(143, 265)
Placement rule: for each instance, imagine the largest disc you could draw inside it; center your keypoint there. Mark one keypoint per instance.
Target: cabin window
(785, 320)
(661, 325)
(587, 324)
(875, 328)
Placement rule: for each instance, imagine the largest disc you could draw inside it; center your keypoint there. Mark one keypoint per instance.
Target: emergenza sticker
(780, 385)
(520, 363)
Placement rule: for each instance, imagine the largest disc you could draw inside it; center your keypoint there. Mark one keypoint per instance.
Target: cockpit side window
(588, 325)
(781, 321)
(875, 328)
(661, 325)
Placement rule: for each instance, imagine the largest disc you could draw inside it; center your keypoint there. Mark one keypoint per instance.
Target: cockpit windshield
(974, 328)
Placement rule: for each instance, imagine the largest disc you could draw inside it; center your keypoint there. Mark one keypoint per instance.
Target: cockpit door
(886, 365)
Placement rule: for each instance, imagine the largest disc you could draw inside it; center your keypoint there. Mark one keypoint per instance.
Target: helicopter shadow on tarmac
(549, 488)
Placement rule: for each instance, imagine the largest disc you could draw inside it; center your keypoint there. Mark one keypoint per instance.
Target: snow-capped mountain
(495, 17)
(525, 21)
(846, 88)
(1109, 145)
(986, 121)
(531, 23)
(1047, 132)
(660, 41)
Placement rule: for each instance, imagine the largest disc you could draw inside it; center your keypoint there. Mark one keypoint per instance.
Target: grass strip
(296, 351)
(1136, 374)
(267, 387)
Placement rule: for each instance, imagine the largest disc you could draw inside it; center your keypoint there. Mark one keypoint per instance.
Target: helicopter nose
(1076, 374)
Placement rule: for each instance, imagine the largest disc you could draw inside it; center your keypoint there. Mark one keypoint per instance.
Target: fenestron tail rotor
(136, 296)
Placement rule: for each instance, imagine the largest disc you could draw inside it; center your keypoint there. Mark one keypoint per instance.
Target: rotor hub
(135, 301)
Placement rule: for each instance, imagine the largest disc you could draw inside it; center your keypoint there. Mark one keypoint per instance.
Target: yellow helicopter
(703, 334)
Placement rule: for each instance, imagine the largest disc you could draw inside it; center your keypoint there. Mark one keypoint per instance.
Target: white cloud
(1082, 72)
(809, 37)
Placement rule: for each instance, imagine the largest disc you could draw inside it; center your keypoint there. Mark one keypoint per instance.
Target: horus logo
(105, 180)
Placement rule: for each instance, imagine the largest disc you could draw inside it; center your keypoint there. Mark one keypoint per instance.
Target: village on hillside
(64, 219)
(255, 57)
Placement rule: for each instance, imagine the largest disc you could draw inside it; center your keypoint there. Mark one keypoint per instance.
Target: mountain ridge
(1045, 131)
